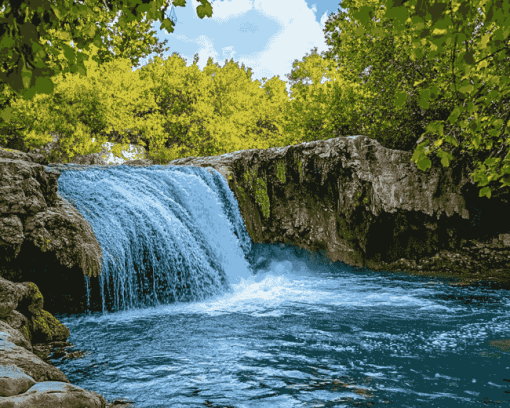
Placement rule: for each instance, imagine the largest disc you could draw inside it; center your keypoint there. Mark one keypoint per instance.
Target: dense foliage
(30, 30)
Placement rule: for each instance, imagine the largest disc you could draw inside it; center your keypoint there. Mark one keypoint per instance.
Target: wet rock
(46, 328)
(54, 394)
(31, 365)
(12, 335)
(18, 321)
(361, 203)
(14, 381)
(32, 212)
(34, 323)
(10, 295)
(139, 163)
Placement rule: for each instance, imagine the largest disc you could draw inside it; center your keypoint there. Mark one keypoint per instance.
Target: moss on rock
(46, 328)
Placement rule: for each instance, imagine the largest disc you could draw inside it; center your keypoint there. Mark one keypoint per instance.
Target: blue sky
(265, 35)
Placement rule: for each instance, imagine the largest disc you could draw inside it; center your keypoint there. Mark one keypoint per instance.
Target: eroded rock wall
(43, 238)
(367, 205)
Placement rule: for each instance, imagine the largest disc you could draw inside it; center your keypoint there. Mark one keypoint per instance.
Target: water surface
(302, 333)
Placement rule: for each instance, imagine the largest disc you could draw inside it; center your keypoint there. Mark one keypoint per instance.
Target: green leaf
(363, 14)
(26, 75)
(399, 13)
(360, 31)
(445, 158)
(486, 191)
(451, 140)
(6, 114)
(56, 11)
(424, 98)
(455, 114)
(468, 58)
(476, 140)
(424, 163)
(167, 25)
(401, 98)
(68, 52)
(204, 10)
(466, 89)
(44, 85)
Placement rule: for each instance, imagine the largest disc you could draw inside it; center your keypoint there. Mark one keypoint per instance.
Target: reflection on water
(302, 333)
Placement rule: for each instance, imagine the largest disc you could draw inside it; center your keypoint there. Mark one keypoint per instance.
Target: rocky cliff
(369, 206)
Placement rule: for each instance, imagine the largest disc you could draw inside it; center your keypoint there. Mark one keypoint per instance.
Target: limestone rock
(53, 394)
(32, 300)
(34, 323)
(10, 354)
(139, 163)
(13, 381)
(90, 159)
(10, 295)
(14, 336)
(11, 233)
(32, 211)
(19, 322)
(353, 198)
(64, 231)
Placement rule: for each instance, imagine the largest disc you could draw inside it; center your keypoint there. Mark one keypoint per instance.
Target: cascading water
(167, 233)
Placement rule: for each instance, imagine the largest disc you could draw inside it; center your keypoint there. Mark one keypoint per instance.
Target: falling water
(168, 233)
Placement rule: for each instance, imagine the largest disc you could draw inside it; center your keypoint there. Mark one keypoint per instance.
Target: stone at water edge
(14, 381)
(54, 394)
(8, 333)
(18, 322)
(30, 364)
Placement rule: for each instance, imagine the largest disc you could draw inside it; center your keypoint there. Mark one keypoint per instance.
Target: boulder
(18, 322)
(8, 333)
(32, 212)
(53, 394)
(45, 328)
(31, 365)
(10, 295)
(34, 323)
(14, 381)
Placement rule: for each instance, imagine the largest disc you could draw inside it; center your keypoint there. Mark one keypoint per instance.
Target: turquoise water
(194, 315)
(302, 333)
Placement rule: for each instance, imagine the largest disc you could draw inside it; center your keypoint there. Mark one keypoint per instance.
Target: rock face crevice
(39, 230)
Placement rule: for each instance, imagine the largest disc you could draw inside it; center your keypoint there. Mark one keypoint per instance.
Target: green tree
(478, 81)
(214, 111)
(168, 108)
(85, 108)
(24, 24)
(135, 41)
(379, 64)
(322, 110)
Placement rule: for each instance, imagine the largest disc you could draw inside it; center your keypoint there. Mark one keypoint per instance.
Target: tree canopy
(25, 25)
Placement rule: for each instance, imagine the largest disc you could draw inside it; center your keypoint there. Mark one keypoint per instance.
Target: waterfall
(168, 233)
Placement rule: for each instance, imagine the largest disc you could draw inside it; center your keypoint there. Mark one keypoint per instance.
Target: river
(300, 332)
